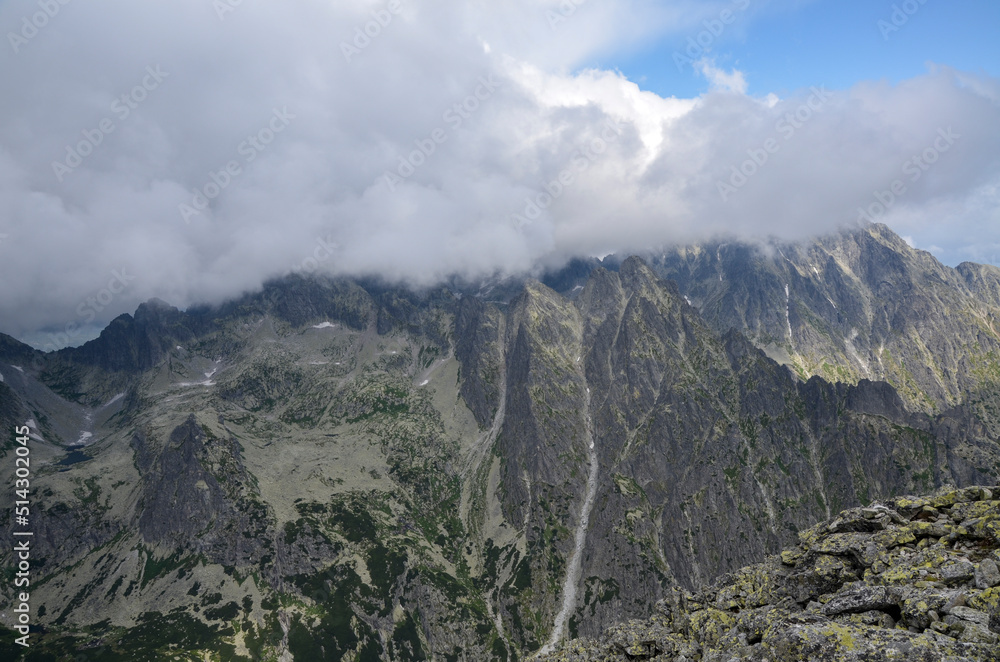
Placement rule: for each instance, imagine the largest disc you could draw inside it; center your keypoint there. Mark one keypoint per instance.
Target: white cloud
(721, 80)
(316, 193)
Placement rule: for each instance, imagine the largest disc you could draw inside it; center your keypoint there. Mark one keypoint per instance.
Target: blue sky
(836, 43)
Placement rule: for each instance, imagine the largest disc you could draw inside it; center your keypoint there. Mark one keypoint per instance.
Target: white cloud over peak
(198, 156)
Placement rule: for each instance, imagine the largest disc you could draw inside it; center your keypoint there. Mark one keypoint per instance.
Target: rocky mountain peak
(15, 352)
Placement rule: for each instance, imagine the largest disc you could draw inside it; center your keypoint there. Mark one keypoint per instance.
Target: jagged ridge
(406, 475)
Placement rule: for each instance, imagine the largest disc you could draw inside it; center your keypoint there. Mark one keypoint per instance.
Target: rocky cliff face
(332, 470)
(855, 305)
(913, 578)
(700, 441)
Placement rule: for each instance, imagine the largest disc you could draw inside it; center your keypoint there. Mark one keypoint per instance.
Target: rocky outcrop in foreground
(915, 579)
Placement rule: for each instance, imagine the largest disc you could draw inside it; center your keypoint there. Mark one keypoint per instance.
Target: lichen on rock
(913, 578)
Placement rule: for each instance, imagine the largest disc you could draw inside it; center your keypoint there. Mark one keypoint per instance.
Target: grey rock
(861, 599)
(975, 633)
(959, 571)
(987, 574)
(957, 600)
(971, 615)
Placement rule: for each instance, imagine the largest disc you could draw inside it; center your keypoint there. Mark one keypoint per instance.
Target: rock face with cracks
(912, 578)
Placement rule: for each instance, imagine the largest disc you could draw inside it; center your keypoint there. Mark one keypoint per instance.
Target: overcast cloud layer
(452, 141)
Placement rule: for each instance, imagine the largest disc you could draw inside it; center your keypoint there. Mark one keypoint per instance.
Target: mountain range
(341, 469)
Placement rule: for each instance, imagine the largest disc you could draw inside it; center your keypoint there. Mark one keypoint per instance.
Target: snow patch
(575, 567)
(1, 378)
(34, 427)
(319, 362)
(18, 368)
(113, 400)
(207, 382)
(82, 441)
(853, 351)
(788, 317)
(688, 300)
(325, 325)
(425, 382)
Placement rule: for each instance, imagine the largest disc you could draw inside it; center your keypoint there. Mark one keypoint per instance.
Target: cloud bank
(190, 150)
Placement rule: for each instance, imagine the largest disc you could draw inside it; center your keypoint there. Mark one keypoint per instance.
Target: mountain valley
(338, 469)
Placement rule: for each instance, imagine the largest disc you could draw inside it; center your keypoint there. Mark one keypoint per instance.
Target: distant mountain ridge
(859, 304)
(338, 469)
